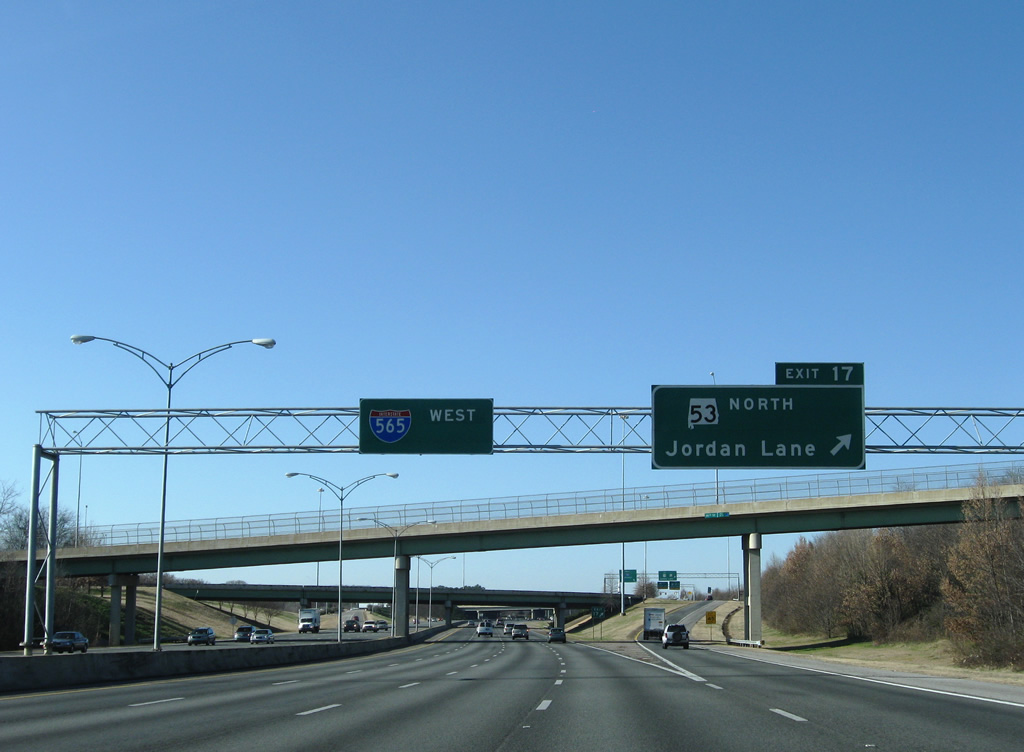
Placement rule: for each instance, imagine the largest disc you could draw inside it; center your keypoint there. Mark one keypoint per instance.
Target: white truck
(654, 623)
(309, 620)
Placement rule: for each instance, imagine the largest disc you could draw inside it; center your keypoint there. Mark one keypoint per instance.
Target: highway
(468, 693)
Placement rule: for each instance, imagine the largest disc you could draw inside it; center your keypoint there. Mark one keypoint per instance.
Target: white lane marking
(557, 682)
(290, 681)
(876, 681)
(154, 702)
(474, 665)
(544, 705)
(451, 673)
(671, 667)
(317, 710)
(562, 671)
(411, 684)
(790, 716)
(358, 671)
(712, 686)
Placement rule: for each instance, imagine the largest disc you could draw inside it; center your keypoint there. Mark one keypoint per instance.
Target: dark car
(69, 642)
(556, 634)
(351, 625)
(675, 634)
(242, 634)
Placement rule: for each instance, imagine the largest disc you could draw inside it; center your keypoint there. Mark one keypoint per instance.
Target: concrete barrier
(37, 672)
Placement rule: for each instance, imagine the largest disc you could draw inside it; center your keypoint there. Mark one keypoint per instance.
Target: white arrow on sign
(844, 443)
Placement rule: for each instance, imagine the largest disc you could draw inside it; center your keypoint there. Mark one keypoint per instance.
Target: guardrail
(546, 505)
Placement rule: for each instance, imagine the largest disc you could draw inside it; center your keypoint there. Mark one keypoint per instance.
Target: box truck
(309, 620)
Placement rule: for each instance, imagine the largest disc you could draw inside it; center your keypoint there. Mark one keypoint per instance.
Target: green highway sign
(826, 374)
(426, 426)
(712, 515)
(757, 427)
(628, 575)
(673, 585)
(667, 574)
(597, 612)
(662, 584)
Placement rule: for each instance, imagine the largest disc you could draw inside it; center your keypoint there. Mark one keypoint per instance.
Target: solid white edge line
(790, 716)
(317, 710)
(687, 674)
(885, 682)
(406, 686)
(290, 681)
(154, 702)
(671, 668)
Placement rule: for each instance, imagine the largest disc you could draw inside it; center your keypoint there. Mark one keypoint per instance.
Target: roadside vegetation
(962, 585)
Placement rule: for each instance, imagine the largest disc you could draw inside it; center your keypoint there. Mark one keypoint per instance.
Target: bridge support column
(131, 587)
(400, 608)
(752, 586)
(448, 609)
(115, 610)
(558, 617)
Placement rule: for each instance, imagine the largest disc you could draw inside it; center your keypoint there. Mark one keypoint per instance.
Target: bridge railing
(407, 516)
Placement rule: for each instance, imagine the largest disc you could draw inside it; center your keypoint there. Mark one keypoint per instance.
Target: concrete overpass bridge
(746, 509)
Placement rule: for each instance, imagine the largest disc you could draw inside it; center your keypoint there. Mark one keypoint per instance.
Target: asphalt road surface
(468, 693)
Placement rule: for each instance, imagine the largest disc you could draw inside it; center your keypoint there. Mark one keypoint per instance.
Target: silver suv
(202, 636)
(675, 634)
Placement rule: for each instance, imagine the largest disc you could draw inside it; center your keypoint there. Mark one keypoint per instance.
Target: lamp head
(291, 475)
(81, 339)
(266, 342)
(391, 475)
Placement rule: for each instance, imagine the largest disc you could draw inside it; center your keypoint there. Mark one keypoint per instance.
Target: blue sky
(547, 204)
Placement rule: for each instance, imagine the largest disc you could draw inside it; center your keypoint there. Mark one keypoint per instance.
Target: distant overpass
(453, 597)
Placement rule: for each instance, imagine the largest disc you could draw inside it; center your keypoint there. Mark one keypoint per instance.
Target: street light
(396, 532)
(341, 492)
(430, 597)
(169, 380)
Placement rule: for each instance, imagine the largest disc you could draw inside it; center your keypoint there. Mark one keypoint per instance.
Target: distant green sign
(629, 575)
(662, 585)
(426, 426)
(666, 574)
(597, 612)
(674, 585)
(712, 515)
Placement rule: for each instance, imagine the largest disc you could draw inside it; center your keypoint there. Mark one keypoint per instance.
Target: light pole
(319, 525)
(396, 532)
(341, 492)
(168, 380)
(430, 596)
(622, 576)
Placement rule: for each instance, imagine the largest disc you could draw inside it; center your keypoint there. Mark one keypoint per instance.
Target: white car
(263, 636)
(485, 630)
(675, 634)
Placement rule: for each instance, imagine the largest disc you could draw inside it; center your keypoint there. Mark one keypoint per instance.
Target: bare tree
(984, 589)
(8, 498)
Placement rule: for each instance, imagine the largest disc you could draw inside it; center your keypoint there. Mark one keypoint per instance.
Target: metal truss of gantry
(567, 430)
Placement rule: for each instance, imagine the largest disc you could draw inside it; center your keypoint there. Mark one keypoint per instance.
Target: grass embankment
(180, 615)
(935, 658)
